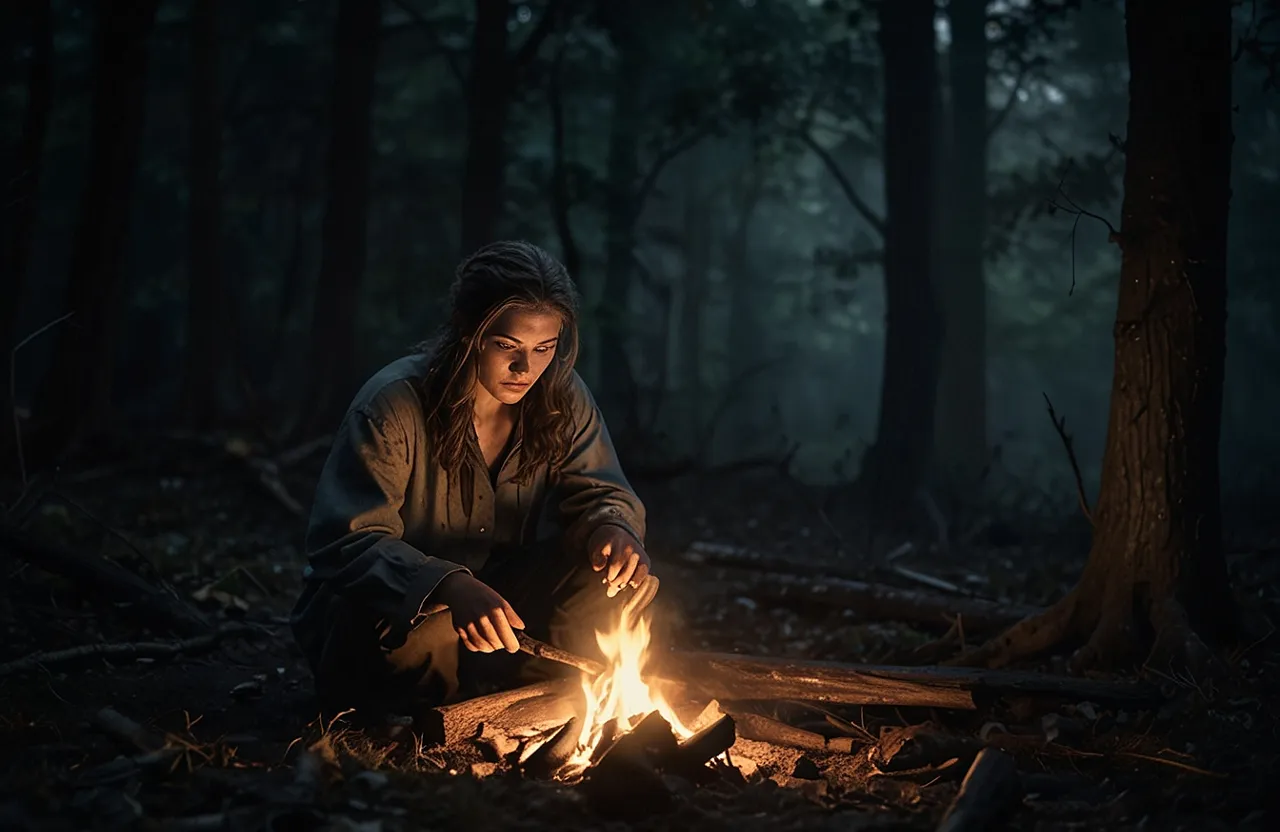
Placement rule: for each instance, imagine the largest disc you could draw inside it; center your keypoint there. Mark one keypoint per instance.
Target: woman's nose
(519, 363)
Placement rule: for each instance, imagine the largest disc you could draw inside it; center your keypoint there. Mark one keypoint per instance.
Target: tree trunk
(616, 381)
(962, 380)
(896, 465)
(1156, 576)
(488, 99)
(561, 190)
(207, 330)
(344, 234)
(76, 391)
(21, 200)
(698, 231)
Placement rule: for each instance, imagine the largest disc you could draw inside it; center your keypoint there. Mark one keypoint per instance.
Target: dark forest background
(253, 204)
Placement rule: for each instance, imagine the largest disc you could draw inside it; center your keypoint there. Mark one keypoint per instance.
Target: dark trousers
(559, 597)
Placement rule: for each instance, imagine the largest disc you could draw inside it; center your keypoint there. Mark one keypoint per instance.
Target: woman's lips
(515, 385)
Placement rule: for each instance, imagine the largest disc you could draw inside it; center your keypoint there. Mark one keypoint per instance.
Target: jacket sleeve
(590, 490)
(354, 538)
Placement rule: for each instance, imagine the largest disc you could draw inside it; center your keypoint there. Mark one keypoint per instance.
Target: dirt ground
(218, 527)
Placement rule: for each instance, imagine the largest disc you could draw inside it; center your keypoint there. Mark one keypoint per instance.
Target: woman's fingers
(478, 638)
(617, 564)
(624, 573)
(600, 557)
(642, 572)
(466, 640)
(516, 620)
(498, 631)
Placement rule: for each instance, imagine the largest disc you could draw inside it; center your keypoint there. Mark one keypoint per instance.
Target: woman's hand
(620, 556)
(482, 618)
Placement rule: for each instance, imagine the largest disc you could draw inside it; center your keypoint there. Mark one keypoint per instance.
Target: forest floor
(199, 518)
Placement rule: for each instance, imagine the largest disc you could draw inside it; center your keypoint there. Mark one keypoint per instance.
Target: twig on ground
(1174, 763)
(1060, 425)
(129, 650)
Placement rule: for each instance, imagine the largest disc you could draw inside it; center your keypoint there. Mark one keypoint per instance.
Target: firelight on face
(515, 351)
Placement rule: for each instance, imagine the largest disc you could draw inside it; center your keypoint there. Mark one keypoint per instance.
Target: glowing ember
(619, 693)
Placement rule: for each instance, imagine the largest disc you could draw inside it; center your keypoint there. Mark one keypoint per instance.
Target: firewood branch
(1060, 425)
(128, 650)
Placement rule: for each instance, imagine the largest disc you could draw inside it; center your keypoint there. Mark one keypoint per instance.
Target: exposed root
(1029, 637)
(1177, 651)
(1113, 642)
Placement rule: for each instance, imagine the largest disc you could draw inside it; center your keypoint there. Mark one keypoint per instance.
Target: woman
(472, 490)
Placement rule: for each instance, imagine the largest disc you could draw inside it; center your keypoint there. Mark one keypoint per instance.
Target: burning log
(690, 758)
(728, 676)
(538, 706)
(989, 790)
(552, 755)
(626, 784)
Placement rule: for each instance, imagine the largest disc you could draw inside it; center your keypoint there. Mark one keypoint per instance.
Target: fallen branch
(989, 790)
(146, 603)
(128, 650)
(764, 729)
(1060, 425)
(727, 677)
(881, 602)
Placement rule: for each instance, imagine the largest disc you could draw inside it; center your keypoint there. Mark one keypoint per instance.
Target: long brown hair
(494, 279)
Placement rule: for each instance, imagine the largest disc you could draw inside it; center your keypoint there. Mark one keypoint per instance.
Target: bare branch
(998, 119)
(859, 204)
(664, 158)
(1060, 425)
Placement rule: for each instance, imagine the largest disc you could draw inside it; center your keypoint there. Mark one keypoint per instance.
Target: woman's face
(515, 351)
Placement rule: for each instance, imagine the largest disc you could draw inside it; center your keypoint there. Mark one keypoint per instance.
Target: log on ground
(882, 602)
(147, 604)
(535, 707)
(989, 791)
(728, 676)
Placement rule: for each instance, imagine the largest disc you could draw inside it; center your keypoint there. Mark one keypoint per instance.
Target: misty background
(733, 148)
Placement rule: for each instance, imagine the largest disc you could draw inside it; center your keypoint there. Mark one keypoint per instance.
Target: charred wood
(989, 790)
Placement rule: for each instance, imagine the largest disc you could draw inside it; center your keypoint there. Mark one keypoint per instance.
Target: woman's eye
(542, 350)
(503, 346)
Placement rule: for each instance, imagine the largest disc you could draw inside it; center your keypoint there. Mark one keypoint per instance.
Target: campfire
(615, 703)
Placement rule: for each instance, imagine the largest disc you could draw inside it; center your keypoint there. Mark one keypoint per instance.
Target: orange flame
(620, 692)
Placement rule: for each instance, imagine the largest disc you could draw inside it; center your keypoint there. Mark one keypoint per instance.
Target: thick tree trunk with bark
(961, 429)
(616, 380)
(20, 200)
(207, 330)
(344, 234)
(1156, 577)
(896, 465)
(489, 89)
(76, 391)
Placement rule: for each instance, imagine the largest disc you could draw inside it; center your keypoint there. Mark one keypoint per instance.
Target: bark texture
(19, 202)
(207, 330)
(344, 232)
(489, 88)
(76, 392)
(896, 465)
(1156, 578)
(962, 379)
